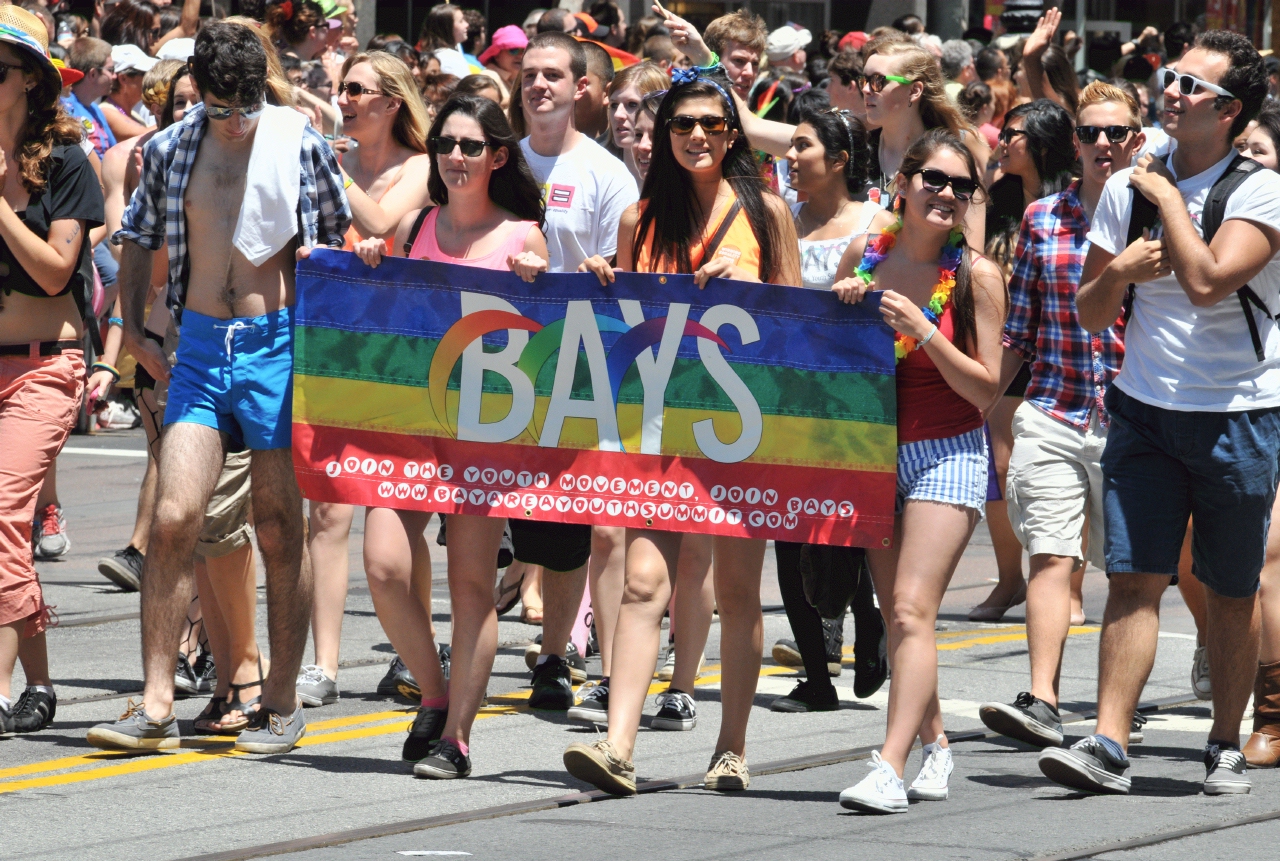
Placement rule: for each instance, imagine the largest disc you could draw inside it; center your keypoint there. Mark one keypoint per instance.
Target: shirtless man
(231, 387)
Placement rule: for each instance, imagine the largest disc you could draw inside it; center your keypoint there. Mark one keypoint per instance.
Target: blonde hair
(937, 110)
(647, 77)
(1100, 91)
(396, 81)
(155, 84)
(279, 90)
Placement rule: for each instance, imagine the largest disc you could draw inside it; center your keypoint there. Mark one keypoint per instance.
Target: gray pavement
(60, 799)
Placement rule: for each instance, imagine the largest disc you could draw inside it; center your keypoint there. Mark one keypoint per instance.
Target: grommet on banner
(528, 512)
(649, 522)
(662, 279)
(884, 542)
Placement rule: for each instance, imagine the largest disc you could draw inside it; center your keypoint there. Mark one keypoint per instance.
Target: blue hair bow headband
(680, 77)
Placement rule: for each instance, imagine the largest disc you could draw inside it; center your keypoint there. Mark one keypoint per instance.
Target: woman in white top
(443, 31)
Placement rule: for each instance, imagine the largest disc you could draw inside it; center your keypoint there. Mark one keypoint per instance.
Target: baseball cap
(131, 58)
(177, 49)
(504, 39)
(588, 27)
(853, 41)
(331, 8)
(785, 41)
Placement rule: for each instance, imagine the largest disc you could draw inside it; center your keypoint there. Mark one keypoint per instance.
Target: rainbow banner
(742, 409)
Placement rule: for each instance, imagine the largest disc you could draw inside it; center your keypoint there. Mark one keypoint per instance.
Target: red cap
(853, 41)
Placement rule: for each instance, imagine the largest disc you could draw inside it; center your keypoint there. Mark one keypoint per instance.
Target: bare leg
(1130, 628)
(695, 602)
(147, 493)
(561, 598)
(422, 576)
(190, 462)
(738, 562)
(278, 520)
(216, 629)
(473, 554)
(330, 534)
(1233, 632)
(606, 572)
(10, 641)
(531, 595)
(1077, 594)
(1048, 621)
(34, 654)
(234, 590)
(189, 643)
(1007, 548)
(1269, 594)
(49, 489)
(1193, 592)
(389, 538)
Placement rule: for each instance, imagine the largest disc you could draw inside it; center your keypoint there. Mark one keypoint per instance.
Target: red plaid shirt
(1070, 369)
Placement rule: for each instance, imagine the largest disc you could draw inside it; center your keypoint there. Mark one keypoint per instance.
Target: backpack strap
(714, 243)
(1215, 209)
(416, 229)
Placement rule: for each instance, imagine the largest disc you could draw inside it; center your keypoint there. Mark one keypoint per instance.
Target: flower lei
(879, 247)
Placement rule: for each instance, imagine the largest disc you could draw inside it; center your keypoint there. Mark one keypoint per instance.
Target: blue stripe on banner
(805, 329)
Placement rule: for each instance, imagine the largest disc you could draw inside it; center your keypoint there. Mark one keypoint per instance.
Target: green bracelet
(715, 61)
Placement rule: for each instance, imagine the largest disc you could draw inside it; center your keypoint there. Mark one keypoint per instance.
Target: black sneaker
(446, 762)
(6, 722)
(1029, 719)
(124, 568)
(1087, 766)
(206, 672)
(676, 711)
(185, 683)
(397, 680)
(34, 711)
(1224, 771)
(807, 697)
(833, 634)
(572, 657)
(593, 708)
(446, 659)
(552, 689)
(1135, 728)
(870, 663)
(424, 733)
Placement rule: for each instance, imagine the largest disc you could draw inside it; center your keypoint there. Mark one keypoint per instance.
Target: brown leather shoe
(1262, 750)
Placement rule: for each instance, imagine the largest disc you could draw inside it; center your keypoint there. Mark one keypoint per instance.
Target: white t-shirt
(452, 62)
(1178, 356)
(586, 190)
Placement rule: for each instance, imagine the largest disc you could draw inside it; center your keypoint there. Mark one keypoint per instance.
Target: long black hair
(1050, 131)
(841, 132)
(511, 186)
(671, 211)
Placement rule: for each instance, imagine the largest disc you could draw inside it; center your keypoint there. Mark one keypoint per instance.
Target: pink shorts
(39, 399)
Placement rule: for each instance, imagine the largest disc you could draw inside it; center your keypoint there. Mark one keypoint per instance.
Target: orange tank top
(739, 243)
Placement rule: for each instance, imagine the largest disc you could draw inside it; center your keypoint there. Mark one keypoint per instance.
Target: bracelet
(712, 63)
(926, 338)
(110, 369)
(115, 321)
(349, 182)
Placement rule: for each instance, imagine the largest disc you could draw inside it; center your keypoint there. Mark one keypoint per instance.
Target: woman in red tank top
(489, 216)
(948, 371)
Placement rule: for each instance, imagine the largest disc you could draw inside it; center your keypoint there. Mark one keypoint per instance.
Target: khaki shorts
(1055, 478)
(226, 518)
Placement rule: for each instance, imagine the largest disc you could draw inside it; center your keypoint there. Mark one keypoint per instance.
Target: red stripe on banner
(788, 503)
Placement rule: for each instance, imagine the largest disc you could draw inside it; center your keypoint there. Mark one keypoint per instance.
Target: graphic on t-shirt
(559, 196)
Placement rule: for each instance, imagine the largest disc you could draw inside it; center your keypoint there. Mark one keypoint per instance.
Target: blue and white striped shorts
(951, 470)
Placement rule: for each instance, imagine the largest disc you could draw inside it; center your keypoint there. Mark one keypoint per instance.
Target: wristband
(347, 183)
(712, 63)
(110, 369)
(926, 338)
(115, 321)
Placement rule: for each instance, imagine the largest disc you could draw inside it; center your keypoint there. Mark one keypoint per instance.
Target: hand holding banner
(743, 409)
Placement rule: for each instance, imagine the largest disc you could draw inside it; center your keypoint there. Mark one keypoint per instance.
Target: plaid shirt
(155, 215)
(1070, 369)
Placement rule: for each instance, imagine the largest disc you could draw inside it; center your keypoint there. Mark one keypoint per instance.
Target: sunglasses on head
(1188, 84)
(1115, 134)
(355, 90)
(935, 181)
(711, 124)
(470, 148)
(216, 112)
(876, 82)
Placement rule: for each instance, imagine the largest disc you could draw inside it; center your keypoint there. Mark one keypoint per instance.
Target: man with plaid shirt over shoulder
(1060, 430)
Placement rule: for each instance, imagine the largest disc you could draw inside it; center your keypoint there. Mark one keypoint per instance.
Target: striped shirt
(155, 216)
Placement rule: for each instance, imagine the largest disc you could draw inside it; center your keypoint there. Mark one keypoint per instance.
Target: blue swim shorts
(236, 376)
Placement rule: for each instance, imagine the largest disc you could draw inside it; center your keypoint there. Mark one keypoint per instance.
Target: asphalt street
(344, 794)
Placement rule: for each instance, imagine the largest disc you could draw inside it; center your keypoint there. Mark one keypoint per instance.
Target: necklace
(879, 247)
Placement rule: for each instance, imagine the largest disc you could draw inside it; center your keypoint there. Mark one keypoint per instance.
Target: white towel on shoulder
(268, 216)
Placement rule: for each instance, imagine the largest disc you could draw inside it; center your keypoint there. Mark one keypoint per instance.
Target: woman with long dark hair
(443, 33)
(946, 305)
(702, 178)
(298, 26)
(49, 199)
(489, 215)
(133, 22)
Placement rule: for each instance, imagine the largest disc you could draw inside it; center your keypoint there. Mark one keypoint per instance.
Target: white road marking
(105, 452)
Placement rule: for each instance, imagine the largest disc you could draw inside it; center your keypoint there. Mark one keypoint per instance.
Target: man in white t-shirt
(1195, 411)
(586, 190)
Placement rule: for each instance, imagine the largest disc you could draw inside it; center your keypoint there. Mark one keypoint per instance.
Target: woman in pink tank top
(489, 216)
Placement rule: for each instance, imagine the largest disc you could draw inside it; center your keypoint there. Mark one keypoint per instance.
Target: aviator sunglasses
(470, 148)
(215, 112)
(355, 90)
(711, 124)
(935, 181)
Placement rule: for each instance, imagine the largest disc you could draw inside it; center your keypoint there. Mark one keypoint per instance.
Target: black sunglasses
(935, 181)
(711, 124)
(470, 148)
(355, 90)
(4, 70)
(1007, 135)
(1115, 134)
(877, 82)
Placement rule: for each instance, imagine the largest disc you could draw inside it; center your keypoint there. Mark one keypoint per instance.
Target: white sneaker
(880, 791)
(668, 668)
(931, 783)
(1200, 684)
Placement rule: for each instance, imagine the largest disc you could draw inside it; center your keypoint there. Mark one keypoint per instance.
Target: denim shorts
(1161, 467)
(951, 470)
(236, 376)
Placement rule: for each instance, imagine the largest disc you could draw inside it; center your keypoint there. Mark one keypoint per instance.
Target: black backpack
(1144, 215)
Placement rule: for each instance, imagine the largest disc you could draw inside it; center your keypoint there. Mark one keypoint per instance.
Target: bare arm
(626, 236)
(380, 218)
(186, 26)
(114, 165)
(976, 378)
(134, 280)
(1105, 277)
(685, 36)
(1037, 43)
(49, 262)
(767, 135)
(122, 125)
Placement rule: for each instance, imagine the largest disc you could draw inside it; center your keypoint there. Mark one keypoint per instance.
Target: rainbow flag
(742, 409)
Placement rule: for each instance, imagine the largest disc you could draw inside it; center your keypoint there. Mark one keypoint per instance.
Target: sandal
(236, 704)
(508, 596)
(531, 616)
(209, 721)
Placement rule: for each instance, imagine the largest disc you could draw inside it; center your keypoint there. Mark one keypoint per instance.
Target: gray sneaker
(271, 732)
(1028, 719)
(315, 688)
(1224, 772)
(136, 730)
(1087, 766)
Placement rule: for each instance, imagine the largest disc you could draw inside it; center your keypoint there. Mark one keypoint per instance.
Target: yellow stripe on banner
(789, 440)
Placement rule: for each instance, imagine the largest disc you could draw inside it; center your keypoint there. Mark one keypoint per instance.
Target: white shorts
(1055, 479)
(951, 470)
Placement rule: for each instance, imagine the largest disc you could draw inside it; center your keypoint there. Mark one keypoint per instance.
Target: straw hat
(25, 31)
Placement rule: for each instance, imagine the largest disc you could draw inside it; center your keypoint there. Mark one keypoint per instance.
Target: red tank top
(928, 408)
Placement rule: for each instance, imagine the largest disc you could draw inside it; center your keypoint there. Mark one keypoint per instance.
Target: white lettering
(475, 361)
(580, 328)
(752, 421)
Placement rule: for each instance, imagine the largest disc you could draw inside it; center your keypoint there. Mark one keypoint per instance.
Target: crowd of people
(1058, 254)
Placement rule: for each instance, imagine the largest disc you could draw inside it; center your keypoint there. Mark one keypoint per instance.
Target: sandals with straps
(209, 721)
(236, 704)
